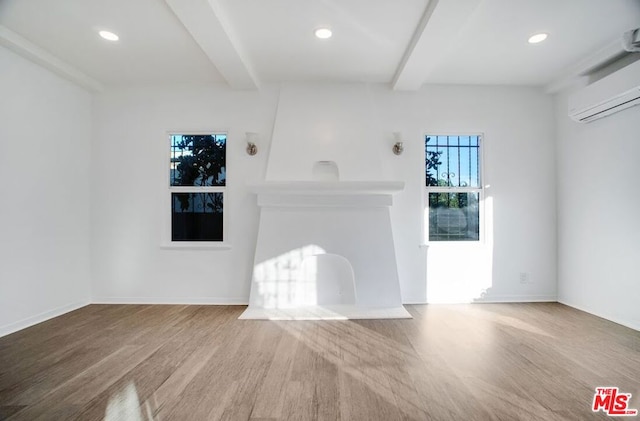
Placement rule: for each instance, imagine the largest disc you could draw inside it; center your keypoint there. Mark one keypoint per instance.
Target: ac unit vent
(609, 95)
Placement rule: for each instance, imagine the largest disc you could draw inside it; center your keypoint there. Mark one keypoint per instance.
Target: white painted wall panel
(45, 131)
(129, 182)
(598, 202)
(519, 176)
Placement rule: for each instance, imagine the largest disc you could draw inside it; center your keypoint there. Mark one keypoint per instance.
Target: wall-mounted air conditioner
(608, 95)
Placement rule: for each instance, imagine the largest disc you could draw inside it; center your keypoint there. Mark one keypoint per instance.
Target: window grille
(454, 189)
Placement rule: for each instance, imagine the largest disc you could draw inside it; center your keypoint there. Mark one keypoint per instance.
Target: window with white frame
(454, 187)
(197, 180)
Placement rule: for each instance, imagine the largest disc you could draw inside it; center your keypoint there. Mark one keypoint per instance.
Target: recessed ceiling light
(534, 39)
(110, 36)
(323, 33)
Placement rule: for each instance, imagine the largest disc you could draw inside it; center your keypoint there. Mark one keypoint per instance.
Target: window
(454, 189)
(197, 180)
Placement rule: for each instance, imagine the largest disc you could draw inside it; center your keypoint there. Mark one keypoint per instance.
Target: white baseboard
(39, 318)
(518, 299)
(172, 301)
(324, 312)
(625, 323)
(501, 299)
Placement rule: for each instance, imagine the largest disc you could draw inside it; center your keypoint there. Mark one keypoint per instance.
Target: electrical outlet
(524, 278)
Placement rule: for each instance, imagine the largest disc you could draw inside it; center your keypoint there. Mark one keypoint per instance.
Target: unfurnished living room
(319, 210)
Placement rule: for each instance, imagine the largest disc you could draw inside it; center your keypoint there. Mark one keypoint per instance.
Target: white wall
(50, 177)
(45, 129)
(129, 187)
(598, 208)
(520, 224)
(334, 123)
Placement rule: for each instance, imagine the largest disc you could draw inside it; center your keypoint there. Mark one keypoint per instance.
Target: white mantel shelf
(328, 187)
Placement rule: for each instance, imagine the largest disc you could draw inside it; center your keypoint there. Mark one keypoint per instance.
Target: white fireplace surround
(325, 250)
(325, 247)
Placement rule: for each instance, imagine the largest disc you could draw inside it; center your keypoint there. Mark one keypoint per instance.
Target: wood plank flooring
(458, 362)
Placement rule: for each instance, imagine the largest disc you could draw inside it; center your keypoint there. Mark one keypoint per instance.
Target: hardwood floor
(459, 362)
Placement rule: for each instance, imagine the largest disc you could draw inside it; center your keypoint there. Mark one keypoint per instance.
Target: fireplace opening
(333, 278)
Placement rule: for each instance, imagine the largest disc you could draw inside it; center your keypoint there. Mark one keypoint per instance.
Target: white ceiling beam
(207, 24)
(441, 21)
(405, 79)
(32, 52)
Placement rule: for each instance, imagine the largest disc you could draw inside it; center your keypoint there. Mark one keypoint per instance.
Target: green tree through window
(197, 181)
(452, 179)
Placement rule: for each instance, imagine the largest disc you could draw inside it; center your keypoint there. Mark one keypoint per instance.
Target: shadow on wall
(306, 276)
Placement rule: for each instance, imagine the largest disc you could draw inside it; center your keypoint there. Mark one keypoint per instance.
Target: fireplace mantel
(324, 194)
(325, 250)
(328, 187)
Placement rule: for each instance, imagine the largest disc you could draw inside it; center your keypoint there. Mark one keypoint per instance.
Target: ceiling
(247, 43)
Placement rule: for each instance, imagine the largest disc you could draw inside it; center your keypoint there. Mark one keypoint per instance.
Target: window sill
(454, 244)
(187, 245)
